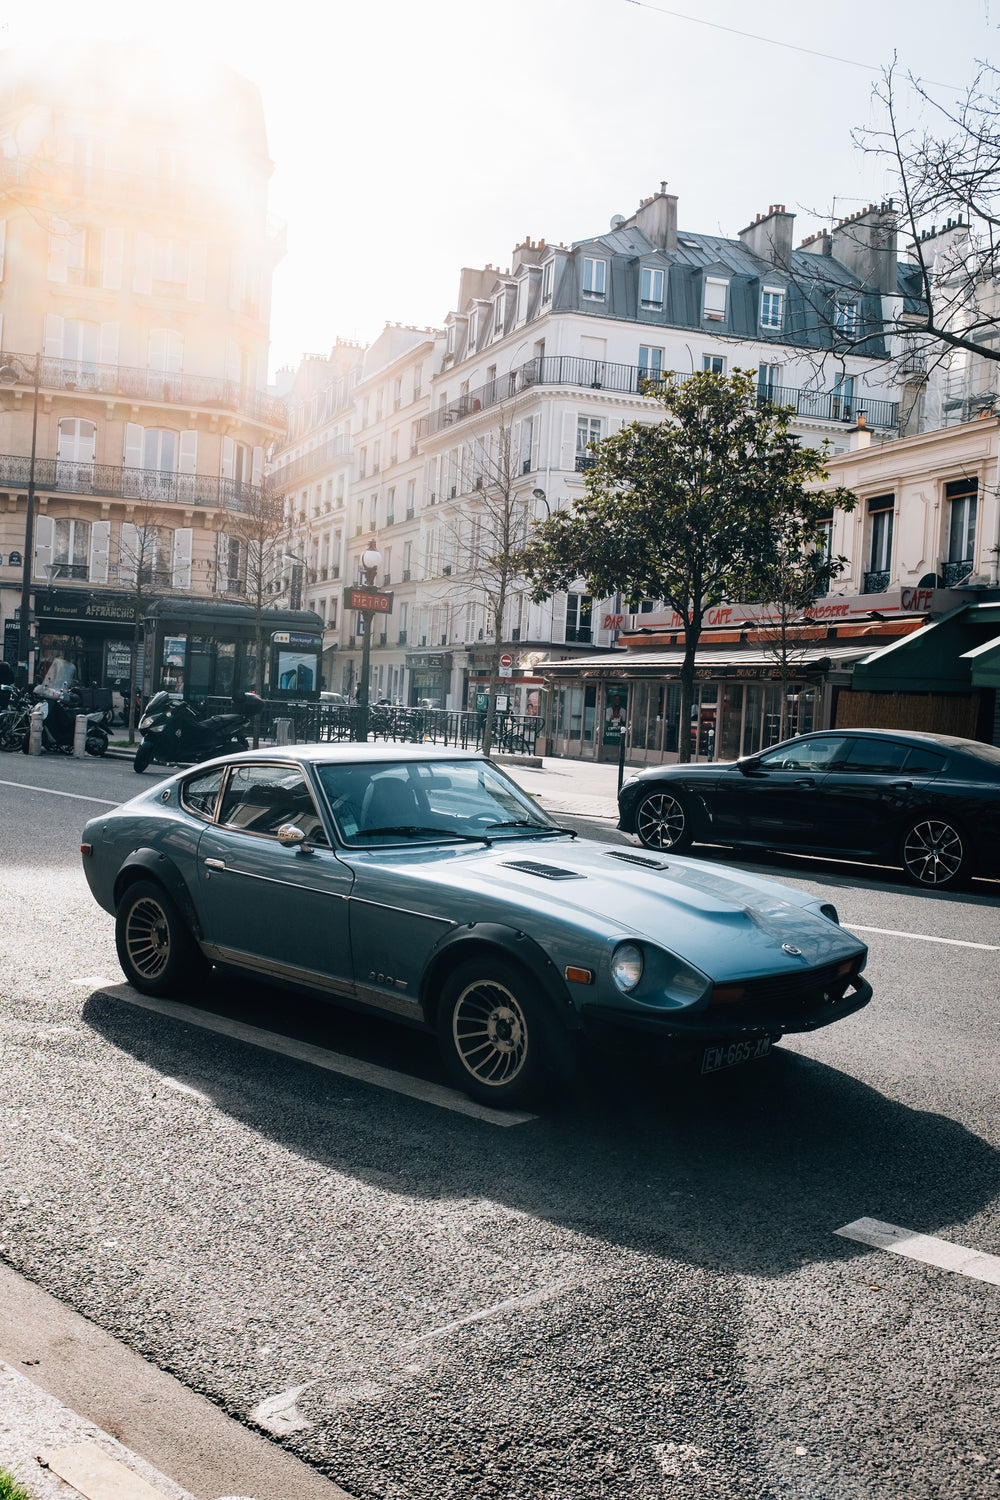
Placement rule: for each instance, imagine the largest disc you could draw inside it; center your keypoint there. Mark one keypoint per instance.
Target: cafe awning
(934, 659)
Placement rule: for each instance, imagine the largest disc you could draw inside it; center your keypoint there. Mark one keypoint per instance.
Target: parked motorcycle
(61, 702)
(15, 719)
(172, 730)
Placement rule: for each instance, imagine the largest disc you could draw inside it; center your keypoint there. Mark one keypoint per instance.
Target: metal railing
(639, 380)
(877, 583)
(315, 459)
(953, 572)
(124, 483)
(138, 384)
(513, 734)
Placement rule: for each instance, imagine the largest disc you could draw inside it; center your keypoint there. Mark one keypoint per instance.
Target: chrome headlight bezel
(627, 965)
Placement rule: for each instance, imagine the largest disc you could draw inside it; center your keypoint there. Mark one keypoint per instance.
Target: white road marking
(76, 796)
(511, 1304)
(185, 1088)
(924, 1247)
(320, 1057)
(280, 1415)
(922, 937)
(93, 981)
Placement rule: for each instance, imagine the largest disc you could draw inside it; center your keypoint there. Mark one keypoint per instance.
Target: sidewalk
(570, 786)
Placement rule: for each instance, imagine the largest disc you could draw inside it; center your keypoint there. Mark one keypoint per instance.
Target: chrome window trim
(252, 833)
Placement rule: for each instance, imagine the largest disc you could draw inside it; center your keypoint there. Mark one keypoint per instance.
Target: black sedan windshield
(414, 801)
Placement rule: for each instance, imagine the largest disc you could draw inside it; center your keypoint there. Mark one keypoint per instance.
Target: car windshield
(422, 801)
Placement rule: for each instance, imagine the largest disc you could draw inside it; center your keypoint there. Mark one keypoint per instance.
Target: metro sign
(377, 601)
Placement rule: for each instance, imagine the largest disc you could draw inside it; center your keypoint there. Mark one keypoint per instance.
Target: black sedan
(930, 802)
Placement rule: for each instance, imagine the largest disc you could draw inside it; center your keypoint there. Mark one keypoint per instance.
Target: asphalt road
(640, 1295)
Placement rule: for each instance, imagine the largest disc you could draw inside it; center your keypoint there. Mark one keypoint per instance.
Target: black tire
(494, 1034)
(663, 822)
(143, 756)
(241, 743)
(935, 853)
(157, 953)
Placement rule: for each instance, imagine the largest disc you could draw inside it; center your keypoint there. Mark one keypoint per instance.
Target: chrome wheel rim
(490, 1033)
(147, 938)
(660, 820)
(933, 852)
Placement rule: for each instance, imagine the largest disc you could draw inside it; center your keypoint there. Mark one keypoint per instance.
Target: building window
(547, 281)
(390, 506)
(362, 463)
(70, 549)
(768, 382)
(650, 363)
(159, 449)
(594, 277)
(373, 512)
(962, 496)
(473, 334)
(450, 339)
(588, 430)
(411, 498)
(842, 404)
(527, 443)
(824, 545)
(579, 608)
(418, 376)
(846, 319)
(498, 316)
(651, 287)
(771, 304)
(715, 364)
(716, 290)
(880, 511)
(377, 456)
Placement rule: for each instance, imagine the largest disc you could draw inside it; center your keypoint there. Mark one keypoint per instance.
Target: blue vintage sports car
(426, 884)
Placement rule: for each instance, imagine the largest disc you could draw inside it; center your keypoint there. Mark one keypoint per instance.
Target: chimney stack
(770, 237)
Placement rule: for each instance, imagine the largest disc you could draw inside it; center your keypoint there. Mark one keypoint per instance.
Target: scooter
(61, 703)
(173, 731)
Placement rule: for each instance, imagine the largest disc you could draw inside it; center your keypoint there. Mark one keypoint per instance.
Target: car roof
(946, 741)
(350, 750)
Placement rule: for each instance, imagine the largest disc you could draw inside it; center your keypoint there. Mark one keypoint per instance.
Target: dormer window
(651, 288)
(450, 339)
(498, 316)
(716, 291)
(473, 332)
(595, 274)
(846, 318)
(771, 307)
(547, 281)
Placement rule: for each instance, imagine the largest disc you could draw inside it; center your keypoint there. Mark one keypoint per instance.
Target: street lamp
(371, 561)
(539, 495)
(12, 373)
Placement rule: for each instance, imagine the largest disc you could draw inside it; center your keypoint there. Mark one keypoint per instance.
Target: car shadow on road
(749, 1171)
(848, 874)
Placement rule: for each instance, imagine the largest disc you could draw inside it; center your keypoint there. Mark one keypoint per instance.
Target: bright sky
(412, 137)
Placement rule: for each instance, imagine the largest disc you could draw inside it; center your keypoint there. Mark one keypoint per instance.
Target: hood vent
(640, 859)
(547, 872)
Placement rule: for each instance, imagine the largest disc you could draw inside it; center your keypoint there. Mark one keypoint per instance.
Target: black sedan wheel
(157, 953)
(490, 1031)
(662, 821)
(934, 853)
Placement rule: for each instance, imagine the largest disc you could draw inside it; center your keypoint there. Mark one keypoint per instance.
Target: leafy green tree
(691, 509)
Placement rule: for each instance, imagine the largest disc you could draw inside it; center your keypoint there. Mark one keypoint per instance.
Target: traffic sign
(506, 665)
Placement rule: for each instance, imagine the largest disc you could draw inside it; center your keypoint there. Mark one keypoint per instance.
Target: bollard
(80, 735)
(282, 731)
(35, 731)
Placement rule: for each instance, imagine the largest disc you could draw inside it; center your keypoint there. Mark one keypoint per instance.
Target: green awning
(984, 664)
(936, 658)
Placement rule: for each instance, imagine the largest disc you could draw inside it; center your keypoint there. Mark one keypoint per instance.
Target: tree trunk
(132, 678)
(692, 634)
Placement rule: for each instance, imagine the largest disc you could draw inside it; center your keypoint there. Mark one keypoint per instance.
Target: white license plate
(731, 1054)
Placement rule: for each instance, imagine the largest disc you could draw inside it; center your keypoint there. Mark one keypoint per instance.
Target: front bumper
(680, 1031)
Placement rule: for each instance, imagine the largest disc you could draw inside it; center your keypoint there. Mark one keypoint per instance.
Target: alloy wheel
(933, 852)
(147, 938)
(490, 1032)
(661, 821)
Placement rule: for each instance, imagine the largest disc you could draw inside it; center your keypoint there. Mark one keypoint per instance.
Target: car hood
(726, 922)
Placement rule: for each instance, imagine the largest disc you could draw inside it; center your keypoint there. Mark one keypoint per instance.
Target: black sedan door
(774, 799)
(867, 795)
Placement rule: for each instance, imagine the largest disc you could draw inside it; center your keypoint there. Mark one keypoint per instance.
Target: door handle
(902, 786)
(215, 864)
(805, 781)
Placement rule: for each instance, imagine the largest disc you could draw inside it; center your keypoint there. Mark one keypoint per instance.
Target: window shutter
(237, 281)
(142, 277)
(100, 546)
(109, 343)
(132, 458)
(128, 553)
(558, 618)
(44, 532)
(197, 270)
(3, 243)
(257, 468)
(188, 460)
(53, 336)
(222, 563)
(568, 456)
(59, 240)
(114, 256)
(227, 469)
(181, 578)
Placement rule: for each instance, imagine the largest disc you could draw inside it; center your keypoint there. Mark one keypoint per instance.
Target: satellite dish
(617, 220)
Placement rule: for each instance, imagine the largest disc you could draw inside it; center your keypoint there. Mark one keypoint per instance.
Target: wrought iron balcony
(584, 461)
(113, 481)
(877, 583)
(639, 380)
(313, 461)
(135, 384)
(952, 573)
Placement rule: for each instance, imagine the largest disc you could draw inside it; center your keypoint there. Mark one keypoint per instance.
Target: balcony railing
(314, 460)
(877, 583)
(159, 486)
(639, 380)
(138, 384)
(31, 176)
(953, 572)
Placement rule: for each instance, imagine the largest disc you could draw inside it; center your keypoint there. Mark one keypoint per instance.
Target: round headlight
(626, 966)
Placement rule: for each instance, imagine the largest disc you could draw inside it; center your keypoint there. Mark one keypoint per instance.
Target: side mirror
(291, 837)
(747, 767)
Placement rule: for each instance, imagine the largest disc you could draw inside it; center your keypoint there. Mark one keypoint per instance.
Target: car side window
(921, 762)
(869, 757)
(804, 755)
(199, 794)
(259, 799)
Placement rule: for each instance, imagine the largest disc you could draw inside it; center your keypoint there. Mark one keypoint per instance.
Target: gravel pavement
(637, 1295)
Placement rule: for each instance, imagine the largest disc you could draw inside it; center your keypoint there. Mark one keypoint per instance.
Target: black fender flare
(151, 863)
(464, 941)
